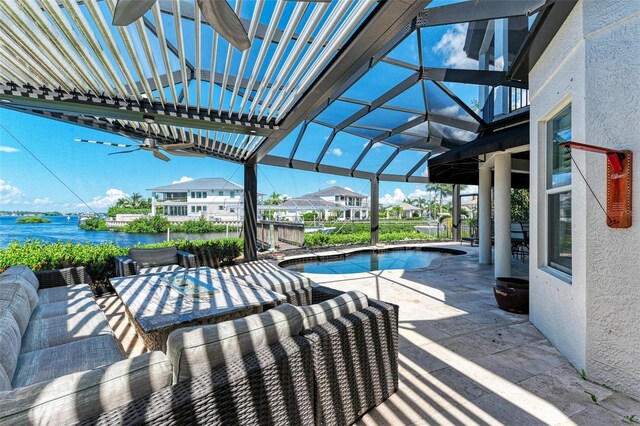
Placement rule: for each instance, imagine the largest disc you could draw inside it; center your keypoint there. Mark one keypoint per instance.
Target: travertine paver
(464, 361)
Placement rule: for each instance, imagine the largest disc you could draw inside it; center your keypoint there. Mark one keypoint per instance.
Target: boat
(319, 229)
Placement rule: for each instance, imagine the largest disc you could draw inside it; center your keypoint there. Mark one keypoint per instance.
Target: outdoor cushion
(158, 269)
(24, 272)
(5, 382)
(65, 293)
(154, 257)
(64, 307)
(57, 361)
(80, 396)
(9, 343)
(280, 281)
(6, 279)
(13, 298)
(248, 268)
(54, 331)
(339, 306)
(197, 350)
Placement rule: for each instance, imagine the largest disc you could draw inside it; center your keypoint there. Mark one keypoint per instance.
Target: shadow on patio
(464, 361)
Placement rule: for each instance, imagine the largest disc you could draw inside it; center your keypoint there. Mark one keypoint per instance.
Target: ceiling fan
(150, 144)
(218, 14)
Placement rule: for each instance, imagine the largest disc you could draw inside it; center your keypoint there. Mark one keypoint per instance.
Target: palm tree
(442, 189)
(274, 199)
(397, 211)
(421, 203)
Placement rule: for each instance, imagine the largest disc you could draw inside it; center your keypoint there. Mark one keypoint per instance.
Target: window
(193, 209)
(220, 207)
(558, 191)
(220, 193)
(232, 194)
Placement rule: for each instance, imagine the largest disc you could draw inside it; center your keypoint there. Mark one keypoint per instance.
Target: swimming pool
(366, 261)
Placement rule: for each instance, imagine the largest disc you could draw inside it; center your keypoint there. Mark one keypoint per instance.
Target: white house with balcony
(216, 199)
(335, 201)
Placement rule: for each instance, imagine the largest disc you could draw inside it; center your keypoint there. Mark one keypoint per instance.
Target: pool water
(370, 261)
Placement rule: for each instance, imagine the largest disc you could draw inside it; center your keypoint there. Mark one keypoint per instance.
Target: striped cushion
(13, 298)
(64, 293)
(249, 268)
(158, 269)
(58, 361)
(9, 343)
(24, 272)
(340, 306)
(280, 281)
(54, 331)
(197, 350)
(83, 395)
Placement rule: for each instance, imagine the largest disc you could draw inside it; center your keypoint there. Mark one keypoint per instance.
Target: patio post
(484, 215)
(455, 213)
(502, 195)
(375, 210)
(250, 225)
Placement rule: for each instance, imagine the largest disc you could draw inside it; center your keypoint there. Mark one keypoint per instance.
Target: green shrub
(319, 240)
(33, 219)
(147, 225)
(200, 226)
(99, 259)
(94, 224)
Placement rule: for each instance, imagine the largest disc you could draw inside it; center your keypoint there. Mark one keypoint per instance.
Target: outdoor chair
(520, 240)
(150, 261)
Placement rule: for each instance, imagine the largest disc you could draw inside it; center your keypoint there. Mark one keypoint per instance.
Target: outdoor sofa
(326, 363)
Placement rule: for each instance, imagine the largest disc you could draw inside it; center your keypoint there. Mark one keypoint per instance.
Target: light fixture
(149, 119)
(6, 101)
(252, 131)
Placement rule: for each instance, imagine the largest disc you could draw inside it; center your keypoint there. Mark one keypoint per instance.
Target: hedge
(99, 259)
(319, 240)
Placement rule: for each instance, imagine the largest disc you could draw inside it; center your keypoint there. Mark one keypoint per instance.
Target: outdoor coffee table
(157, 304)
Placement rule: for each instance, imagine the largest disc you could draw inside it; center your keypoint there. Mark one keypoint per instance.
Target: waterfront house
(216, 199)
(334, 202)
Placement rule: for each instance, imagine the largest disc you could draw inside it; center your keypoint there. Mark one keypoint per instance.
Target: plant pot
(512, 294)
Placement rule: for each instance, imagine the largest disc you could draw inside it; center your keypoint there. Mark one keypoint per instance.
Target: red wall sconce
(619, 168)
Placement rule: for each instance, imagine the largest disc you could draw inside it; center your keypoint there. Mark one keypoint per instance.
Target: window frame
(550, 190)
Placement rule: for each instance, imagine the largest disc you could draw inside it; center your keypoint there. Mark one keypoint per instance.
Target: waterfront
(61, 229)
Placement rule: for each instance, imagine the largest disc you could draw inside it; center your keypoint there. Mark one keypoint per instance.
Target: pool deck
(462, 360)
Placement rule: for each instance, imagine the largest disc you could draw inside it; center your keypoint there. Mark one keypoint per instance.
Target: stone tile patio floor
(461, 359)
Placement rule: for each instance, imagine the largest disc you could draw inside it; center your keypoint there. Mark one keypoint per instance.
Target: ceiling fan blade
(119, 145)
(172, 146)
(187, 154)
(124, 152)
(224, 20)
(128, 11)
(160, 155)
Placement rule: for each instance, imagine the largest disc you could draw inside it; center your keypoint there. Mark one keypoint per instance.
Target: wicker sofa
(153, 260)
(307, 377)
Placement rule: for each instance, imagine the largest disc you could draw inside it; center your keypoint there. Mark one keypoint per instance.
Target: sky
(43, 169)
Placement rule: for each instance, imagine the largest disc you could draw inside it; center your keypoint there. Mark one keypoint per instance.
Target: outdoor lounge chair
(149, 261)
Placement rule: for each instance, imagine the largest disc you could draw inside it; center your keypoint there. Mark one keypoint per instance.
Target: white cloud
(397, 197)
(112, 195)
(7, 149)
(451, 46)
(332, 182)
(9, 194)
(42, 201)
(418, 193)
(337, 152)
(183, 179)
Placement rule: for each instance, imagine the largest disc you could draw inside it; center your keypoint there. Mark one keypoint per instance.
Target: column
(501, 62)
(153, 204)
(250, 216)
(455, 213)
(502, 205)
(484, 215)
(375, 210)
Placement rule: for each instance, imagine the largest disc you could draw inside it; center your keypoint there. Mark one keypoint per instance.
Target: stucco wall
(558, 304)
(612, 118)
(595, 321)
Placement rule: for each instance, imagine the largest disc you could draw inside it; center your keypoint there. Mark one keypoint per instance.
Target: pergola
(319, 76)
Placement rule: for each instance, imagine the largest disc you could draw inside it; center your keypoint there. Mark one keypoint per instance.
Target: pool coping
(336, 252)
